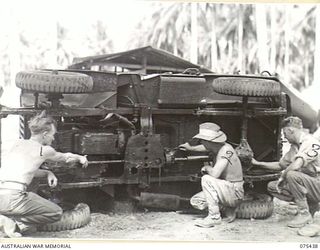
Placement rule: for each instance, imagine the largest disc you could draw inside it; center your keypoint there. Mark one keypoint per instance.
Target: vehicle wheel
(77, 217)
(246, 86)
(54, 81)
(255, 206)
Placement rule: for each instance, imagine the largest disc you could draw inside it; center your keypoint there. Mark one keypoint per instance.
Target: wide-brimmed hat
(211, 132)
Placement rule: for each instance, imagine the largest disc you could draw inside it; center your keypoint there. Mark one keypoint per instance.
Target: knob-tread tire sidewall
(237, 86)
(50, 82)
(71, 219)
(259, 207)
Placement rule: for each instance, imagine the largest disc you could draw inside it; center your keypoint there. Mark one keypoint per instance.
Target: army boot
(309, 230)
(313, 208)
(9, 227)
(303, 217)
(208, 222)
(26, 229)
(230, 213)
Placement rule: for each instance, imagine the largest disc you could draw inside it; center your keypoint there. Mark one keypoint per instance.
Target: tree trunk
(306, 74)
(287, 36)
(14, 51)
(175, 47)
(261, 26)
(53, 59)
(214, 48)
(230, 57)
(316, 69)
(240, 39)
(10, 125)
(273, 33)
(194, 33)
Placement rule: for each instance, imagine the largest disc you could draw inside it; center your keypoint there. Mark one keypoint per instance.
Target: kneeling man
(20, 209)
(222, 182)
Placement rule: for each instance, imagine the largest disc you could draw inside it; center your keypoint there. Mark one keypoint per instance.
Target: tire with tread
(71, 219)
(241, 86)
(255, 206)
(54, 81)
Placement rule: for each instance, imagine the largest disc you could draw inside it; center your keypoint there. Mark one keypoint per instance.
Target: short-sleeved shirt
(233, 171)
(308, 150)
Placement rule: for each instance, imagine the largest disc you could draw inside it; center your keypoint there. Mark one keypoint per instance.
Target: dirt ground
(173, 226)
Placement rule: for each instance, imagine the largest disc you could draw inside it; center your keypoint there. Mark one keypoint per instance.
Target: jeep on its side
(130, 124)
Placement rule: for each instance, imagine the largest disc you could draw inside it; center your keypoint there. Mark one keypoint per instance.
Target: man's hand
(281, 181)
(84, 161)
(52, 179)
(205, 169)
(279, 185)
(185, 146)
(254, 162)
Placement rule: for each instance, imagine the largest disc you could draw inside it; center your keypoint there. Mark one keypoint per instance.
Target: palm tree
(214, 47)
(98, 40)
(240, 38)
(317, 48)
(235, 37)
(261, 30)
(273, 39)
(168, 28)
(287, 42)
(194, 33)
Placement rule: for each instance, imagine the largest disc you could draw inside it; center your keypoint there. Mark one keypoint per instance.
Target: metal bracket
(146, 120)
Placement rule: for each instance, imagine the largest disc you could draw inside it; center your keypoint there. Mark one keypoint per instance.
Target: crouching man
(19, 209)
(299, 180)
(222, 183)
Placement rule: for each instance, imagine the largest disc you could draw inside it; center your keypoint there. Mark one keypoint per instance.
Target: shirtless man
(20, 209)
(222, 182)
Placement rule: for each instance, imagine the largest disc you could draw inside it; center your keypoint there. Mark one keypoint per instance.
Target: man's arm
(275, 165)
(40, 173)
(52, 179)
(217, 169)
(297, 164)
(51, 154)
(197, 148)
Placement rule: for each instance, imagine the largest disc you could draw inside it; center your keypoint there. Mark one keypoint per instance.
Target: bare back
(22, 161)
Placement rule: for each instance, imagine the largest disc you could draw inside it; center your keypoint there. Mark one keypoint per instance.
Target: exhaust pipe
(160, 201)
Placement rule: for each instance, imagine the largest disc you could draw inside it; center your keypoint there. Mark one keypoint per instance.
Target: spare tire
(54, 81)
(241, 86)
(255, 206)
(71, 219)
